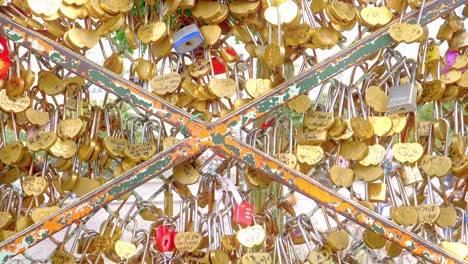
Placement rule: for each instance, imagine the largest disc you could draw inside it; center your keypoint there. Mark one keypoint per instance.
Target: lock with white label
(188, 39)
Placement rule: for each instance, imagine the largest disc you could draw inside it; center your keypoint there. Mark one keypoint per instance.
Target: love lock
(187, 39)
(218, 67)
(5, 61)
(242, 213)
(164, 237)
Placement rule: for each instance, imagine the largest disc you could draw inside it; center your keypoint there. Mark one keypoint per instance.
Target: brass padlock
(377, 191)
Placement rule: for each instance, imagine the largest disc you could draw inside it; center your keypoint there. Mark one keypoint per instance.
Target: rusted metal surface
(218, 135)
(334, 65)
(99, 198)
(107, 80)
(334, 201)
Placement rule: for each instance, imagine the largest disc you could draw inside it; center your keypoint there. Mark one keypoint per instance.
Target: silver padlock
(402, 97)
(187, 39)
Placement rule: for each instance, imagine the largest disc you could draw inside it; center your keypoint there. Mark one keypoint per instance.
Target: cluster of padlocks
(75, 168)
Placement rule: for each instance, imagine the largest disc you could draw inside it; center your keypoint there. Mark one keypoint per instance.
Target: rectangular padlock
(402, 97)
(377, 191)
(410, 174)
(188, 39)
(242, 211)
(229, 54)
(309, 136)
(242, 214)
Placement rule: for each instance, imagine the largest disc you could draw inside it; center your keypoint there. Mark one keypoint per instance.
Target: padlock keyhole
(188, 43)
(166, 241)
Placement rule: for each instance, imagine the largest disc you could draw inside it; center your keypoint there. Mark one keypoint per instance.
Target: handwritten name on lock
(15, 104)
(139, 150)
(256, 258)
(309, 135)
(319, 120)
(196, 257)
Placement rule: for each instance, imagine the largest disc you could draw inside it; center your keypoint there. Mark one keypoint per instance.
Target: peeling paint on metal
(56, 57)
(377, 228)
(234, 125)
(410, 245)
(268, 104)
(35, 45)
(249, 159)
(390, 234)
(248, 116)
(75, 64)
(29, 239)
(13, 35)
(217, 139)
(234, 149)
(270, 170)
(120, 90)
(429, 256)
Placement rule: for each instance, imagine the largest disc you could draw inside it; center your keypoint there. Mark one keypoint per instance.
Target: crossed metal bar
(218, 135)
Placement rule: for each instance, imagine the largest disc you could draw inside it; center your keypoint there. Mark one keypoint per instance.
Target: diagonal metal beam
(336, 202)
(98, 75)
(97, 199)
(206, 135)
(332, 66)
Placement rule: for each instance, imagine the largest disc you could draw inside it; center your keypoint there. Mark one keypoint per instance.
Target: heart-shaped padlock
(218, 67)
(165, 237)
(5, 61)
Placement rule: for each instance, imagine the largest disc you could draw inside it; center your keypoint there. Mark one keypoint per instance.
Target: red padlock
(242, 214)
(5, 61)
(218, 67)
(164, 236)
(268, 123)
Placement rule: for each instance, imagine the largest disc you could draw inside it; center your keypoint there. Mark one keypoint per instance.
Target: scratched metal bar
(97, 199)
(334, 201)
(332, 66)
(98, 75)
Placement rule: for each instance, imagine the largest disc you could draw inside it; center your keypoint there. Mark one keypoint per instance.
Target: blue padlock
(187, 39)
